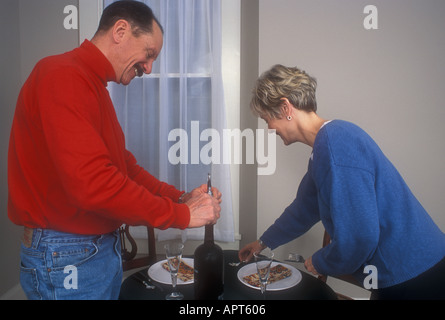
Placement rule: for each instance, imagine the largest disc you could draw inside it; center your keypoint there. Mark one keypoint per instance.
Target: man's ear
(120, 30)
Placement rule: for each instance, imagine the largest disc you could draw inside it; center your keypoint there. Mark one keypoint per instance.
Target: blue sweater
(365, 206)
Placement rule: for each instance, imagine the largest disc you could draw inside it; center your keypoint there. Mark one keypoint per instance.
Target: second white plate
(287, 283)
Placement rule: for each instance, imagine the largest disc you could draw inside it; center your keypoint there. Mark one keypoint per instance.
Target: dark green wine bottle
(209, 265)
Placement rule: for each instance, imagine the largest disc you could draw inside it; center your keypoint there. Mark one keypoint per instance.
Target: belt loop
(27, 237)
(37, 234)
(31, 237)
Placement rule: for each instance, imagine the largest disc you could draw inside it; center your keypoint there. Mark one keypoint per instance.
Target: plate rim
(189, 261)
(274, 263)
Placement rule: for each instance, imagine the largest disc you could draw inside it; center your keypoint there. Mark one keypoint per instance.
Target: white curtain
(183, 94)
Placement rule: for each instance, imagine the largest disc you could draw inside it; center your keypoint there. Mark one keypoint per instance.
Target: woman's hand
(246, 253)
(310, 267)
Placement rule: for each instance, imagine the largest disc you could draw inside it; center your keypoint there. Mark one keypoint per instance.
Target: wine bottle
(209, 265)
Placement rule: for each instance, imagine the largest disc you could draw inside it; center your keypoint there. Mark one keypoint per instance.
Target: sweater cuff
(318, 263)
(176, 195)
(183, 216)
(269, 241)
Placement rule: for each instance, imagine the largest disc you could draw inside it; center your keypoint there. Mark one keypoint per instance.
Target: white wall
(388, 81)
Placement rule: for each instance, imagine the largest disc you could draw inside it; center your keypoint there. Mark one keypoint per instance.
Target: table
(310, 288)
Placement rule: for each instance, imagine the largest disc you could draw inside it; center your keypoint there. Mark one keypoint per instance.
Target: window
(183, 94)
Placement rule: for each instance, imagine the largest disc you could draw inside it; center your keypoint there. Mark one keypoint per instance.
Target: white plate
(283, 284)
(159, 274)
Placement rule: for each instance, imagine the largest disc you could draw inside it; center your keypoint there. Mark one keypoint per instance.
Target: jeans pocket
(83, 270)
(30, 283)
(72, 254)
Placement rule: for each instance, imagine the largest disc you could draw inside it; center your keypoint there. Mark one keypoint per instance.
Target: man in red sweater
(72, 183)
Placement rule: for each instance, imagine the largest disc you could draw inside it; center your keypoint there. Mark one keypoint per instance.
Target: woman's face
(283, 128)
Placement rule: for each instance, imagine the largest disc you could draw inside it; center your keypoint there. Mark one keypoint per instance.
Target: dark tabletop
(310, 288)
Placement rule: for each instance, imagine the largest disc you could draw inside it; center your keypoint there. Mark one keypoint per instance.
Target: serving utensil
(294, 257)
(236, 264)
(142, 279)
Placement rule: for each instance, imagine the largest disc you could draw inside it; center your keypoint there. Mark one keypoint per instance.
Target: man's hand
(204, 209)
(202, 190)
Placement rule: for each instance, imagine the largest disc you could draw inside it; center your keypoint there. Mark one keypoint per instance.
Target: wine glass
(173, 252)
(263, 261)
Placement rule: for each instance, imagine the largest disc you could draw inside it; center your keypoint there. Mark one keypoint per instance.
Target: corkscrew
(209, 185)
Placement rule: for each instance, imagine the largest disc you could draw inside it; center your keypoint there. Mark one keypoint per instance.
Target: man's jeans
(61, 266)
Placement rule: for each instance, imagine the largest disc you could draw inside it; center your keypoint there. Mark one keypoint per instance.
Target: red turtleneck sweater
(68, 167)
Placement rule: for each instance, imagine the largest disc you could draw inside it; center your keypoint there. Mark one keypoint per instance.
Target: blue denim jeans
(62, 266)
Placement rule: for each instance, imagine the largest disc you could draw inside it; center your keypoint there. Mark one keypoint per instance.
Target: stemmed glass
(173, 252)
(263, 261)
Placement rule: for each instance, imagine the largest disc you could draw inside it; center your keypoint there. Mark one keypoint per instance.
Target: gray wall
(30, 30)
(388, 81)
(9, 86)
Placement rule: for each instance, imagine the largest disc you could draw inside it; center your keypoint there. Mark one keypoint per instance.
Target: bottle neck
(209, 238)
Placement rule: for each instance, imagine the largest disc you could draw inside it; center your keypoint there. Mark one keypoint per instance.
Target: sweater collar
(97, 62)
(324, 124)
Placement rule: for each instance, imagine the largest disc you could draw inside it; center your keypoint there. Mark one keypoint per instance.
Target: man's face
(138, 54)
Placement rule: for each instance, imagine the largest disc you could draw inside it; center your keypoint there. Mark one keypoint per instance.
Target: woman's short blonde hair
(283, 82)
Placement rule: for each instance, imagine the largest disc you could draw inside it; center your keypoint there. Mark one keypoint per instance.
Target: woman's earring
(289, 118)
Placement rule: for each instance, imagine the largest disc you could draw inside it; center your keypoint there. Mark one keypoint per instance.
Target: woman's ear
(286, 107)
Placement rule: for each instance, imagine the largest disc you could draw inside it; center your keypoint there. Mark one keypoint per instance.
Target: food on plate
(185, 272)
(277, 273)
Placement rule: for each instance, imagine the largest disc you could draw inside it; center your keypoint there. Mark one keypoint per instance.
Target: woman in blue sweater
(361, 199)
